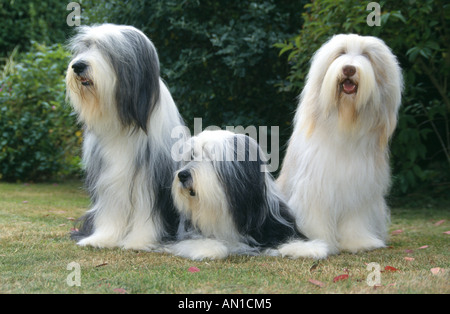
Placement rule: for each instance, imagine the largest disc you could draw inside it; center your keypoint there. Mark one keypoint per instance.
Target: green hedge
(22, 21)
(39, 137)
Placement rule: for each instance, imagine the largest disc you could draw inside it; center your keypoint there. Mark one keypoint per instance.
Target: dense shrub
(22, 21)
(39, 137)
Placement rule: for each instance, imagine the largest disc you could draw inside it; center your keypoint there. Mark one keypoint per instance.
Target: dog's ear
(244, 183)
(386, 129)
(137, 88)
(389, 75)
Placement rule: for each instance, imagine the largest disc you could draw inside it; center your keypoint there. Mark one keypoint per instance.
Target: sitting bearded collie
(232, 202)
(128, 114)
(335, 174)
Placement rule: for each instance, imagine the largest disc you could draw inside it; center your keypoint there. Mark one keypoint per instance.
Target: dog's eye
(366, 55)
(340, 53)
(195, 155)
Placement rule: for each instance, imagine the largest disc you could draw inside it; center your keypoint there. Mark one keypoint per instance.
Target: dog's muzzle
(79, 68)
(348, 85)
(185, 178)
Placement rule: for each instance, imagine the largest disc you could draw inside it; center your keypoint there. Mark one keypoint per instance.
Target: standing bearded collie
(336, 174)
(128, 114)
(233, 203)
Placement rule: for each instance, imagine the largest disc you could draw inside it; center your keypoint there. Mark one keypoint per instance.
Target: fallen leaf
(390, 268)
(409, 251)
(120, 290)
(25, 202)
(446, 232)
(316, 283)
(70, 218)
(438, 223)
(340, 277)
(436, 270)
(193, 269)
(409, 258)
(102, 264)
(424, 247)
(398, 231)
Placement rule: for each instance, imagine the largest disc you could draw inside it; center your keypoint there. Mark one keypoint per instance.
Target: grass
(35, 249)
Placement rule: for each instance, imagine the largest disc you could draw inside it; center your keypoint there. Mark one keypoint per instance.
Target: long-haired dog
(233, 203)
(336, 174)
(128, 113)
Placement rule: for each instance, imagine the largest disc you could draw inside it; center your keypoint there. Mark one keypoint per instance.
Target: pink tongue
(349, 87)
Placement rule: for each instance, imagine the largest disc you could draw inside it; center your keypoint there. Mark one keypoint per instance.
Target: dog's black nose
(184, 175)
(78, 67)
(349, 70)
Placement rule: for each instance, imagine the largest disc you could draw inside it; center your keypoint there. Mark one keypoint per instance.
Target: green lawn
(35, 250)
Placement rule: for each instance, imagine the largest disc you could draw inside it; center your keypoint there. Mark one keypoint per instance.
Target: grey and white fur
(114, 86)
(233, 203)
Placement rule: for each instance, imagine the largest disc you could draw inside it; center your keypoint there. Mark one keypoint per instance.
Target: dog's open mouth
(84, 81)
(187, 185)
(349, 87)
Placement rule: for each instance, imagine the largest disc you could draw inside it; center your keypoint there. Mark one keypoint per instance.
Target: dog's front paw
(98, 241)
(358, 244)
(200, 249)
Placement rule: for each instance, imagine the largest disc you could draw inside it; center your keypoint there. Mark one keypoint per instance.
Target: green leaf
(286, 48)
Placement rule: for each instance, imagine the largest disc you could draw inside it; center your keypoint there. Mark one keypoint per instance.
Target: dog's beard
(203, 200)
(93, 97)
(347, 97)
